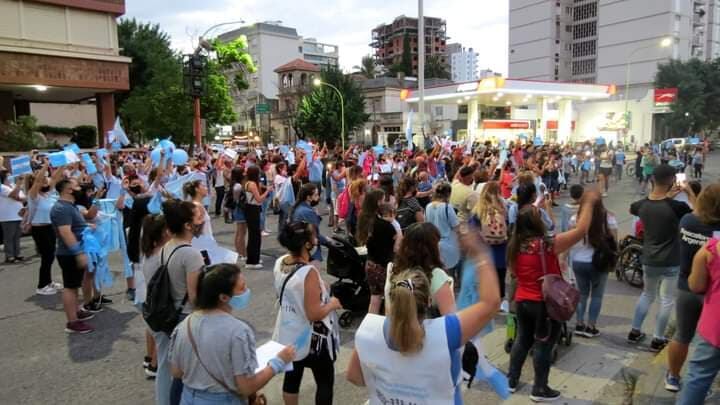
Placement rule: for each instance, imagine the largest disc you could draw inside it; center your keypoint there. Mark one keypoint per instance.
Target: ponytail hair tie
(407, 283)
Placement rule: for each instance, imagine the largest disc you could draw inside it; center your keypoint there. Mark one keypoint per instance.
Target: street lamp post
(666, 42)
(317, 83)
(204, 44)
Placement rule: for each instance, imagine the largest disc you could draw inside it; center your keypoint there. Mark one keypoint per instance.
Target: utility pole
(421, 68)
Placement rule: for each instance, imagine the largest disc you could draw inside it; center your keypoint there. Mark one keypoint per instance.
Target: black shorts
(688, 307)
(71, 274)
(606, 171)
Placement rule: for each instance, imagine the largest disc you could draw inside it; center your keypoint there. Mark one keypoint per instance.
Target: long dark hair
(407, 185)
(599, 229)
(419, 249)
(213, 281)
(307, 190)
(368, 214)
(153, 228)
(252, 173)
(528, 225)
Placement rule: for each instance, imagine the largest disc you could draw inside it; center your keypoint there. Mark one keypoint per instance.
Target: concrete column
(22, 108)
(105, 105)
(473, 125)
(565, 114)
(7, 110)
(542, 114)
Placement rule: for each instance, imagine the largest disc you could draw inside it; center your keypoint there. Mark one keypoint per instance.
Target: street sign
(262, 108)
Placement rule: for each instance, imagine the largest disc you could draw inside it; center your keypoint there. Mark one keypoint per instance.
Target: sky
(347, 23)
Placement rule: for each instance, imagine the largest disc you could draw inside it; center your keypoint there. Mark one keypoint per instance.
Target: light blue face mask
(240, 301)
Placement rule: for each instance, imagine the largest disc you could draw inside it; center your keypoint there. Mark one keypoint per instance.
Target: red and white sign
(665, 97)
(506, 124)
(554, 125)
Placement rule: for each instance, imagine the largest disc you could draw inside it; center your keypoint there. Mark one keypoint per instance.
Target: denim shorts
(238, 216)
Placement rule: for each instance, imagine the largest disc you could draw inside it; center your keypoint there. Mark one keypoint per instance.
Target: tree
(406, 61)
(157, 104)
(318, 115)
(698, 83)
(368, 67)
(435, 68)
(20, 135)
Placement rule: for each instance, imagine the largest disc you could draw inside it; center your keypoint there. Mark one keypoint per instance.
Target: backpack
(231, 202)
(561, 298)
(343, 203)
(405, 214)
(494, 228)
(606, 255)
(159, 309)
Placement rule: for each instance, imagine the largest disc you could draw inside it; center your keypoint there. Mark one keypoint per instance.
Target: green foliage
(48, 129)
(435, 69)
(698, 83)
(20, 135)
(406, 61)
(233, 54)
(319, 115)
(368, 67)
(157, 105)
(86, 136)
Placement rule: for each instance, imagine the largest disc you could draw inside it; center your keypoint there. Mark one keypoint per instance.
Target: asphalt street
(41, 364)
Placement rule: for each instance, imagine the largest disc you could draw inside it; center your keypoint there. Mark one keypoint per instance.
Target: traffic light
(194, 68)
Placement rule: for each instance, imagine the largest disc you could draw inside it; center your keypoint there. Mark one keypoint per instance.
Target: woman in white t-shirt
(197, 190)
(591, 275)
(11, 202)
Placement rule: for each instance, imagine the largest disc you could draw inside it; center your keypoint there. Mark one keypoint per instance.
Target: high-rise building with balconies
(388, 39)
(599, 41)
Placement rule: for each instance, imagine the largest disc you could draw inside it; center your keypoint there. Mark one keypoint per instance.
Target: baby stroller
(566, 335)
(348, 266)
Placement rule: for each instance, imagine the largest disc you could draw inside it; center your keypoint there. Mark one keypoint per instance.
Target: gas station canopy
(498, 91)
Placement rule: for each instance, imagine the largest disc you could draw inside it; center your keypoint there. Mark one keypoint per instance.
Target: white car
(677, 143)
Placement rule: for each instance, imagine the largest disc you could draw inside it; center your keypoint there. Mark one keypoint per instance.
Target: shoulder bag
(254, 399)
(561, 298)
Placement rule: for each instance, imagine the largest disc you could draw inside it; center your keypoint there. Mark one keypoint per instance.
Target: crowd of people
(450, 235)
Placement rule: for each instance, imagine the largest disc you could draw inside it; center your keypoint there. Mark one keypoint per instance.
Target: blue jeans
(163, 380)
(661, 280)
(264, 209)
(197, 397)
(591, 284)
(702, 369)
(284, 215)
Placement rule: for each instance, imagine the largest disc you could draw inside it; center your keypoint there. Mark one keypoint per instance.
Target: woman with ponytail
(196, 191)
(413, 355)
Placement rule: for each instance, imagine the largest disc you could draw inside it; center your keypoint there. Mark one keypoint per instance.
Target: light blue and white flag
(119, 133)
(409, 131)
(89, 164)
(59, 159)
(72, 147)
(20, 165)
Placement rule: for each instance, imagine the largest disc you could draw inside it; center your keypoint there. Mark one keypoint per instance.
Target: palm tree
(435, 69)
(368, 67)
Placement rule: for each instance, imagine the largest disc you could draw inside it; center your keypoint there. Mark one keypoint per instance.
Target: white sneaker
(504, 306)
(265, 233)
(56, 285)
(47, 290)
(254, 266)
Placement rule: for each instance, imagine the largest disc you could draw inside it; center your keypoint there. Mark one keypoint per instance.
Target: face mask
(136, 189)
(45, 189)
(240, 301)
(79, 195)
(198, 229)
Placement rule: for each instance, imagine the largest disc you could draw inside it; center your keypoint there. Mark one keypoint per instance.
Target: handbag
(561, 298)
(253, 399)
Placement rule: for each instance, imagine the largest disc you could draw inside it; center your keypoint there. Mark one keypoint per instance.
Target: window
(585, 11)
(587, 48)
(300, 49)
(285, 81)
(583, 67)
(438, 111)
(585, 30)
(303, 79)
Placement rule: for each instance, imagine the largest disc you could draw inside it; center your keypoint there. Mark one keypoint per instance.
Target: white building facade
(464, 65)
(271, 46)
(611, 42)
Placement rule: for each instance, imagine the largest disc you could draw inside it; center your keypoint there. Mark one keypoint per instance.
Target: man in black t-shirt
(696, 229)
(660, 215)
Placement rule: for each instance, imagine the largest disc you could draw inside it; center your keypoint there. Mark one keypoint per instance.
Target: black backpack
(231, 202)
(159, 309)
(405, 214)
